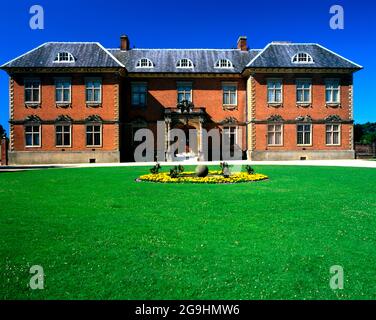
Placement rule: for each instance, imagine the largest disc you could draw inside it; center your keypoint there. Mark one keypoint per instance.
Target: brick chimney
(124, 43)
(242, 43)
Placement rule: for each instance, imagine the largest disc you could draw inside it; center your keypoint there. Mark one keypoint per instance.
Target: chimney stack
(124, 43)
(242, 43)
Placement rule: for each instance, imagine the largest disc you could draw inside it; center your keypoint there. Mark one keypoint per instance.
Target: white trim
(184, 83)
(259, 54)
(310, 90)
(267, 134)
(109, 53)
(70, 89)
(308, 56)
(32, 134)
(40, 90)
(267, 90)
(62, 124)
(149, 62)
(358, 65)
(339, 90)
(310, 138)
(228, 61)
(339, 134)
(227, 83)
(71, 58)
(101, 133)
(24, 54)
(101, 90)
(189, 61)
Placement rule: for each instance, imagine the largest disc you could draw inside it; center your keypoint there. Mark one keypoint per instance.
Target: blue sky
(197, 24)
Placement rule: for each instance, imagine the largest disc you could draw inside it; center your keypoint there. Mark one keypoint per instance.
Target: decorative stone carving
(333, 118)
(306, 118)
(93, 118)
(185, 106)
(64, 118)
(275, 118)
(229, 121)
(33, 118)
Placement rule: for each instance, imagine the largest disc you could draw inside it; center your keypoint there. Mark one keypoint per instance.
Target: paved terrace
(325, 163)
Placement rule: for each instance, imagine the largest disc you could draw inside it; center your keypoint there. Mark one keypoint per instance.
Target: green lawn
(100, 235)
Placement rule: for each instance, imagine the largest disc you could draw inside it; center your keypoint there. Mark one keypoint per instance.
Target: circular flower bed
(214, 177)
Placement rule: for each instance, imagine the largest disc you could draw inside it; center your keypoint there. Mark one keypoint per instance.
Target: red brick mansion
(80, 102)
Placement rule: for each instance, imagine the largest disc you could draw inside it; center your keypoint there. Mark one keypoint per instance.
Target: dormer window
(302, 57)
(184, 64)
(224, 64)
(144, 63)
(66, 57)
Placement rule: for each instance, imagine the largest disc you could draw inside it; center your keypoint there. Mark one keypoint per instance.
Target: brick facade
(251, 116)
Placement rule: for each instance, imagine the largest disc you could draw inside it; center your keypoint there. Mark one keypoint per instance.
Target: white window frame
(274, 134)
(70, 90)
(310, 136)
(189, 65)
(144, 63)
(32, 90)
(332, 134)
(32, 134)
(304, 80)
(70, 57)
(270, 80)
(228, 84)
(93, 89)
(133, 84)
(331, 81)
(185, 92)
(62, 133)
(223, 64)
(100, 125)
(298, 58)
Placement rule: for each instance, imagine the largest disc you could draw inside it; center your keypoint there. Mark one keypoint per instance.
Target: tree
(2, 131)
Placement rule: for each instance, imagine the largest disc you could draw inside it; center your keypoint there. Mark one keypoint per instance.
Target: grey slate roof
(94, 55)
(87, 55)
(278, 55)
(165, 60)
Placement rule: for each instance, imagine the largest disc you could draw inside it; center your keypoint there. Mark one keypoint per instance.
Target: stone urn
(202, 171)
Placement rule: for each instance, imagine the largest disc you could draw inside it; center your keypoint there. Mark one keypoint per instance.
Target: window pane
(278, 137)
(328, 96)
(335, 138)
(300, 137)
(270, 96)
(66, 95)
(29, 139)
(335, 96)
(66, 139)
(89, 139)
(328, 138)
(97, 95)
(307, 138)
(97, 139)
(27, 95)
(89, 95)
(278, 96)
(36, 139)
(59, 141)
(306, 96)
(270, 138)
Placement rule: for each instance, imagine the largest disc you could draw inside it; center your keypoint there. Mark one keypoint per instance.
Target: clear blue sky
(197, 24)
